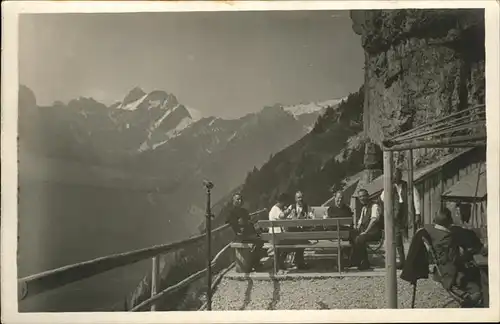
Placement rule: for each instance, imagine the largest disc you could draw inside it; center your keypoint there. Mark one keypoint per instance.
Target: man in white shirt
(400, 202)
(367, 228)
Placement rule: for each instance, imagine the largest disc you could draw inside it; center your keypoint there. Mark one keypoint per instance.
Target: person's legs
(400, 222)
(485, 287)
(299, 258)
(252, 236)
(400, 246)
(298, 254)
(359, 255)
(469, 281)
(257, 253)
(281, 257)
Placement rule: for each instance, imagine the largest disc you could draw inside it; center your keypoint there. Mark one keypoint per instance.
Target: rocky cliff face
(419, 65)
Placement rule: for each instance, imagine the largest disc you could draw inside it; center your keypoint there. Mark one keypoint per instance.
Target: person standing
(366, 229)
(240, 222)
(400, 205)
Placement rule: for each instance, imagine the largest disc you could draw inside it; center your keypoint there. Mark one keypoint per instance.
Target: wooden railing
(38, 283)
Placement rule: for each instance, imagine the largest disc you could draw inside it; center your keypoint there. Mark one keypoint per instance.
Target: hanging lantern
(371, 160)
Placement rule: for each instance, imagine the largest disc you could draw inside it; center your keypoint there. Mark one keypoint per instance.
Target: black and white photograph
(204, 161)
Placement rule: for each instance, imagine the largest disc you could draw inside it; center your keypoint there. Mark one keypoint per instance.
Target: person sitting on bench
(456, 267)
(367, 228)
(299, 210)
(339, 209)
(240, 221)
(280, 212)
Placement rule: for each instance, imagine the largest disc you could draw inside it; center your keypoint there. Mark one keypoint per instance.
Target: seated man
(338, 210)
(455, 247)
(367, 228)
(239, 220)
(299, 210)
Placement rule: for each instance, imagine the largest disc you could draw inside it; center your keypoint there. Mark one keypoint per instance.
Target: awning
(465, 189)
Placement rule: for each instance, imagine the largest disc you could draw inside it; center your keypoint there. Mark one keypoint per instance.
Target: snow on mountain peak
(312, 107)
(195, 114)
(132, 105)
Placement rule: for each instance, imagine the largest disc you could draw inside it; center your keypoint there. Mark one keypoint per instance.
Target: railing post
(209, 186)
(155, 279)
(390, 248)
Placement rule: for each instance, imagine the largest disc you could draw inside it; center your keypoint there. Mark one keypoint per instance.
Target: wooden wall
(433, 185)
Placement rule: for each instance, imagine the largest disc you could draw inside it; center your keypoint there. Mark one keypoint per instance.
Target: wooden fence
(42, 282)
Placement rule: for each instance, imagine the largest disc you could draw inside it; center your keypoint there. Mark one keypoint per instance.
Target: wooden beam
(216, 282)
(434, 122)
(306, 222)
(390, 246)
(184, 283)
(155, 279)
(209, 185)
(55, 278)
(465, 141)
(48, 280)
(319, 235)
(443, 130)
(411, 205)
(462, 145)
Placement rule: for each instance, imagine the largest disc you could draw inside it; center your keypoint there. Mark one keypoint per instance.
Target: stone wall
(419, 65)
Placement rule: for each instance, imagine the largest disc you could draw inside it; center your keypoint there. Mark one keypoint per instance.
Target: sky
(224, 64)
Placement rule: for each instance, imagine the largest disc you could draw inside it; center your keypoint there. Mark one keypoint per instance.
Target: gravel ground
(333, 293)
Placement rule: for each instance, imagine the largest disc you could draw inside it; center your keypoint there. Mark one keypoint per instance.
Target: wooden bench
(327, 239)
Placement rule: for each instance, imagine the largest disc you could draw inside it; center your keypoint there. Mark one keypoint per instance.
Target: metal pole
(209, 185)
(155, 279)
(390, 243)
(411, 203)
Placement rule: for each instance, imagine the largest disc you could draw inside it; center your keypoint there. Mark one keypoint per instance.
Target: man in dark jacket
(454, 247)
(339, 209)
(240, 221)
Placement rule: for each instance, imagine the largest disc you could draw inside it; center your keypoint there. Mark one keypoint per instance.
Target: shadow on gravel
(276, 295)
(322, 305)
(248, 294)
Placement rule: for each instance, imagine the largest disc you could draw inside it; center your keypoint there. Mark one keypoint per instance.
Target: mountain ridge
(158, 143)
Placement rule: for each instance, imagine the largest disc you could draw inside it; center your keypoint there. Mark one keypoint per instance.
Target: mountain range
(152, 142)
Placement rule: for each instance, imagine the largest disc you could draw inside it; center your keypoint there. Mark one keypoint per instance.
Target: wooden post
(390, 243)
(411, 203)
(155, 279)
(209, 185)
(275, 265)
(339, 248)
